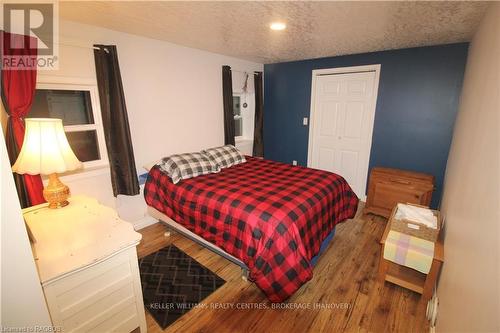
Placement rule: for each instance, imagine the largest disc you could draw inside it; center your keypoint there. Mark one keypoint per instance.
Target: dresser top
(73, 237)
(403, 173)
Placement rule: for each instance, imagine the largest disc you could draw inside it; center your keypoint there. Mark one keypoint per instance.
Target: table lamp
(46, 151)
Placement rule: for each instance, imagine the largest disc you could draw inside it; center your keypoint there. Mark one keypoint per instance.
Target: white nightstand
(87, 262)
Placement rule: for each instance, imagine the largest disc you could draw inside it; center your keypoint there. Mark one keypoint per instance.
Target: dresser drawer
(388, 194)
(387, 187)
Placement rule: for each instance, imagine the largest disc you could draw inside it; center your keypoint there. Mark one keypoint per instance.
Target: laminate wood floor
(343, 296)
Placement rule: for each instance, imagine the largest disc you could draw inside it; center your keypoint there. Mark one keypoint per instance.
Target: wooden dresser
(87, 262)
(387, 187)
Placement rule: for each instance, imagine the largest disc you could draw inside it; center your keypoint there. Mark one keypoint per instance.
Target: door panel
(349, 165)
(341, 126)
(332, 88)
(326, 159)
(329, 115)
(353, 120)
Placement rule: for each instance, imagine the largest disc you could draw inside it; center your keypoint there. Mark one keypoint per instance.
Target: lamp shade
(45, 149)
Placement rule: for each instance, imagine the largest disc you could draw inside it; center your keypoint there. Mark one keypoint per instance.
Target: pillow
(225, 156)
(188, 165)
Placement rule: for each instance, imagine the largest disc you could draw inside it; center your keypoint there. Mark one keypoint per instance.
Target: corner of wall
(468, 289)
(3, 117)
(22, 302)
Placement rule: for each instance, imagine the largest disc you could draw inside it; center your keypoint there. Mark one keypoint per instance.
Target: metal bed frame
(171, 224)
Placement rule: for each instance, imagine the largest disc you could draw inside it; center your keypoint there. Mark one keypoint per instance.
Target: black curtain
(227, 96)
(115, 121)
(258, 136)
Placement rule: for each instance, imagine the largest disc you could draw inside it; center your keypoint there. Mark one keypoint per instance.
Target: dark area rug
(173, 283)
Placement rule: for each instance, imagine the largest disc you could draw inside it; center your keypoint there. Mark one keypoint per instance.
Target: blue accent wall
(418, 98)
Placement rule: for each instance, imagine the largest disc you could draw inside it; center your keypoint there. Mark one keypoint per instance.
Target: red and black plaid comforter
(270, 215)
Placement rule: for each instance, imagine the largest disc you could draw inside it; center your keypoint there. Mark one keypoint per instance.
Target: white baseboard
(144, 222)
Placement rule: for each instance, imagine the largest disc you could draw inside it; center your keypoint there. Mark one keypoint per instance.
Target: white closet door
(342, 124)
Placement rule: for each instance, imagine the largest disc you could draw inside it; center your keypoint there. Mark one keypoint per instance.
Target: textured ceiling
(314, 29)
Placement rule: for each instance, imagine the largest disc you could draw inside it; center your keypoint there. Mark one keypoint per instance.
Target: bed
(270, 216)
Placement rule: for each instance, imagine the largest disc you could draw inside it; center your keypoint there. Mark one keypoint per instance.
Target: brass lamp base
(56, 193)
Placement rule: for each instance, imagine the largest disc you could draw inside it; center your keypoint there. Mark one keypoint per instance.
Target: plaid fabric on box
(225, 156)
(270, 215)
(188, 165)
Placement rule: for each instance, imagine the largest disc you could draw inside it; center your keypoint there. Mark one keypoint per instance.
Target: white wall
(22, 300)
(469, 286)
(173, 96)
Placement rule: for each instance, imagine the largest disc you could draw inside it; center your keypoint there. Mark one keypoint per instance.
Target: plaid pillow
(188, 165)
(225, 156)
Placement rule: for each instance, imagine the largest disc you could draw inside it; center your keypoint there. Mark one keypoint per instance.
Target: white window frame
(96, 111)
(241, 116)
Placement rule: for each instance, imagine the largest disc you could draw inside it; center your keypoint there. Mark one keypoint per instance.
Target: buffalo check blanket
(270, 215)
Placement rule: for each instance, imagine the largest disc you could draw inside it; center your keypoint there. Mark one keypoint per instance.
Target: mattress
(271, 216)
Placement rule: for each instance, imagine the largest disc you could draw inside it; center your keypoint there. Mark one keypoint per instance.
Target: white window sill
(241, 139)
(244, 145)
(86, 172)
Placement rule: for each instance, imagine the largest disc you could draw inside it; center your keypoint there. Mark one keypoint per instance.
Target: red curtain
(18, 90)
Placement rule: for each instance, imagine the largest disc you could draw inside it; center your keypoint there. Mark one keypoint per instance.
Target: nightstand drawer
(101, 295)
(124, 320)
(106, 271)
(109, 305)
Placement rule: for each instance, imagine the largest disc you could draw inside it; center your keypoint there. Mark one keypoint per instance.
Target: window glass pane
(236, 106)
(84, 145)
(72, 106)
(238, 127)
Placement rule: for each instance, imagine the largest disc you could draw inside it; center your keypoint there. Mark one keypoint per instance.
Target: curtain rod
(244, 72)
(83, 46)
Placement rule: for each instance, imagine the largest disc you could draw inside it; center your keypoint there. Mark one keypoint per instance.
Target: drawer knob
(400, 181)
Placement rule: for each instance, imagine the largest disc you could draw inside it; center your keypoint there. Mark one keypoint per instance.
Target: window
(238, 118)
(76, 106)
(244, 114)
